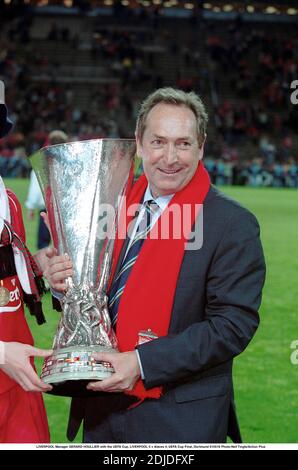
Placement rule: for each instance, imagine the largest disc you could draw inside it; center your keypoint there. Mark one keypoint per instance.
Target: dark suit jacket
(214, 317)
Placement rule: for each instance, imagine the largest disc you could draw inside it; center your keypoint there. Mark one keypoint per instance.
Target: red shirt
(13, 324)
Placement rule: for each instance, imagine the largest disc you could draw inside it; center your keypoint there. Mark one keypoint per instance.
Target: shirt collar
(161, 201)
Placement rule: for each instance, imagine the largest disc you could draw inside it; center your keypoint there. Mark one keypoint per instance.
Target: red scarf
(147, 300)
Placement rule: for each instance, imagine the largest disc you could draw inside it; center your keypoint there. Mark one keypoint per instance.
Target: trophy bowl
(83, 184)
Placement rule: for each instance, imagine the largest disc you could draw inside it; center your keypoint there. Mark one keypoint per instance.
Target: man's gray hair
(176, 97)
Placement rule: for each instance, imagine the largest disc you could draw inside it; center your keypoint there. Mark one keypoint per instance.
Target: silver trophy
(82, 185)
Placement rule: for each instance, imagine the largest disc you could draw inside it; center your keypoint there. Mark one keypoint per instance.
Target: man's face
(169, 149)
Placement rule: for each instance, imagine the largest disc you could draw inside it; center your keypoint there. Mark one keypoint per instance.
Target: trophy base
(69, 370)
(74, 389)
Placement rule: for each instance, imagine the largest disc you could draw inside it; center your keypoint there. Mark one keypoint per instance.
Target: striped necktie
(37, 287)
(129, 260)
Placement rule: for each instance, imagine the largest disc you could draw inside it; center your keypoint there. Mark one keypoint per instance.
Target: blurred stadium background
(84, 66)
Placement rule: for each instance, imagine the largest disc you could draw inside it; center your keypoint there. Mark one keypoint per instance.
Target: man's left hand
(127, 372)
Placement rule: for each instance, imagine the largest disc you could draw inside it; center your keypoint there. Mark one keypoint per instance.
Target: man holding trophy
(184, 290)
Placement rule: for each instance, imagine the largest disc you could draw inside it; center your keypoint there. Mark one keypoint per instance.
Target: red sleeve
(16, 215)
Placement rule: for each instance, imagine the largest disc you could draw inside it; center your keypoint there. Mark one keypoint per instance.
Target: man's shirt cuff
(140, 364)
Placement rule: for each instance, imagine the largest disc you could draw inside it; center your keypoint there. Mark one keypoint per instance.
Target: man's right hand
(18, 367)
(57, 269)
